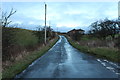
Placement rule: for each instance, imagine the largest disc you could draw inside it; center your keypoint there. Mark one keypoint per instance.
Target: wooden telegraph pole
(119, 10)
(45, 22)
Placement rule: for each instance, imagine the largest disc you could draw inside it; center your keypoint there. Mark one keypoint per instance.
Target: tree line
(104, 28)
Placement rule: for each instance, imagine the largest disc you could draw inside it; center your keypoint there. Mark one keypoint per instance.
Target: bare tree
(5, 17)
(105, 28)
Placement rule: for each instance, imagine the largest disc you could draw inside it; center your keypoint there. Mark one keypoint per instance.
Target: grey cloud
(64, 13)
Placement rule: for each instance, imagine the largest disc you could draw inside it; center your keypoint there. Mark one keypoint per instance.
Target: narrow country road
(64, 61)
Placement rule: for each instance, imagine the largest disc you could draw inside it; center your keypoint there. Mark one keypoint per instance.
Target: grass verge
(105, 53)
(19, 66)
(0, 75)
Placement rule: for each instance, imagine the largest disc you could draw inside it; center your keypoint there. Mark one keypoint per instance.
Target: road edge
(21, 65)
(87, 50)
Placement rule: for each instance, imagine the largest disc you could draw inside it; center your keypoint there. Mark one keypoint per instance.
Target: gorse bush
(25, 38)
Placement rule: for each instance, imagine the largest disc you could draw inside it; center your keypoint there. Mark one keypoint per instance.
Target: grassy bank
(101, 52)
(17, 40)
(22, 64)
(0, 75)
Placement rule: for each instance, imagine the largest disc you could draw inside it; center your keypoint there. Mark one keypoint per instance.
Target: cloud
(72, 25)
(66, 15)
(17, 22)
(31, 23)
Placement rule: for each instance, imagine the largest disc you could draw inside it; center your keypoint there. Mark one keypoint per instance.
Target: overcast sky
(64, 15)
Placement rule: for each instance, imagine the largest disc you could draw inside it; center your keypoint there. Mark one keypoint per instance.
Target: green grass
(110, 54)
(16, 40)
(25, 38)
(87, 38)
(106, 53)
(19, 66)
(0, 75)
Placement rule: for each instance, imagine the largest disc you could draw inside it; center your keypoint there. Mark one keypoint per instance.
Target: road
(64, 61)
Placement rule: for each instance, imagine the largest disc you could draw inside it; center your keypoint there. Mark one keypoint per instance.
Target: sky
(61, 16)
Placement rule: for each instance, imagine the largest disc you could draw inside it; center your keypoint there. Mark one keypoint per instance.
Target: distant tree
(94, 28)
(40, 34)
(118, 22)
(50, 33)
(48, 28)
(105, 28)
(5, 17)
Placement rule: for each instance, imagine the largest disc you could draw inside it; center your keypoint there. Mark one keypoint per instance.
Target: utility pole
(49, 23)
(57, 30)
(45, 22)
(50, 32)
(119, 10)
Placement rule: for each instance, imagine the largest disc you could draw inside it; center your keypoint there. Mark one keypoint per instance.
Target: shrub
(16, 40)
(25, 38)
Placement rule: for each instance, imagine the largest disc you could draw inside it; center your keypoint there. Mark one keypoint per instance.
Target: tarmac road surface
(64, 61)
